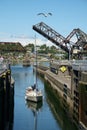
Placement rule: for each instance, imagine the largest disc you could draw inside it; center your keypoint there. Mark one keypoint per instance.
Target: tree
(43, 46)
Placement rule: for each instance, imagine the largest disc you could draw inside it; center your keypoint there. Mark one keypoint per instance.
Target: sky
(18, 16)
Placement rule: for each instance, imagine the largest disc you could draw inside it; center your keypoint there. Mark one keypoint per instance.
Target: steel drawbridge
(64, 43)
(51, 35)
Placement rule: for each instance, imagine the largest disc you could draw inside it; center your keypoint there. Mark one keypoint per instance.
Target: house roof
(11, 46)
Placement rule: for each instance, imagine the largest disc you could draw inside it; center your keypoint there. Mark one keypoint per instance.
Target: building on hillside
(11, 47)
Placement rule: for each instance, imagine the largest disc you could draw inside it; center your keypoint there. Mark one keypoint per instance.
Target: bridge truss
(64, 43)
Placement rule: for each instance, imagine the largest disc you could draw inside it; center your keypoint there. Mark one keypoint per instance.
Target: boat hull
(26, 63)
(34, 98)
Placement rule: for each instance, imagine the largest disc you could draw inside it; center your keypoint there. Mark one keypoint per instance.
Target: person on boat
(34, 86)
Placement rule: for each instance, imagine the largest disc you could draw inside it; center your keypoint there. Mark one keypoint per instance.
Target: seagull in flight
(45, 14)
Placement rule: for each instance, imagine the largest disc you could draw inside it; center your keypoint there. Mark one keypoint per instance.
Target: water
(28, 116)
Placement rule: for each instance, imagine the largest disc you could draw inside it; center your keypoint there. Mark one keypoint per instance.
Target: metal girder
(61, 41)
(81, 37)
(51, 35)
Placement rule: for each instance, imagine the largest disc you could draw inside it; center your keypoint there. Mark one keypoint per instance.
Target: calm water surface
(28, 116)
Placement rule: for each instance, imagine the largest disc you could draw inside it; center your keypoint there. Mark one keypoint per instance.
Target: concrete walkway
(62, 79)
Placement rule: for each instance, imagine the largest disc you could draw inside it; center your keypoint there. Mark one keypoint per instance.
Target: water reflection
(55, 104)
(47, 115)
(35, 108)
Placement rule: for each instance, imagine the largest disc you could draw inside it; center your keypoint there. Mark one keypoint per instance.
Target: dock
(6, 96)
(69, 80)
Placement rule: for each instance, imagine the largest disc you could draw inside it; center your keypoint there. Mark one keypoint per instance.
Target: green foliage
(30, 45)
(52, 50)
(43, 46)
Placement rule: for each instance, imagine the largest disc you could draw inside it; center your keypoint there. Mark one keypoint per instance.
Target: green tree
(43, 46)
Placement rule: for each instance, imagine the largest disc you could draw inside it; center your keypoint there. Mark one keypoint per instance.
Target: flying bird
(45, 14)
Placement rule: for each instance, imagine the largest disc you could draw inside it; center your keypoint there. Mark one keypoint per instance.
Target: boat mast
(36, 59)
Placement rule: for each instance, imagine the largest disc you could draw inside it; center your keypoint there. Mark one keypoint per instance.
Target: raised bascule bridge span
(51, 35)
(65, 44)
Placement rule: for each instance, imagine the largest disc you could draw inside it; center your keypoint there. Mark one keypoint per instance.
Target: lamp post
(69, 54)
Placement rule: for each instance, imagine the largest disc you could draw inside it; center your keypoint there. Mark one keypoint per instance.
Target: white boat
(33, 93)
(26, 63)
